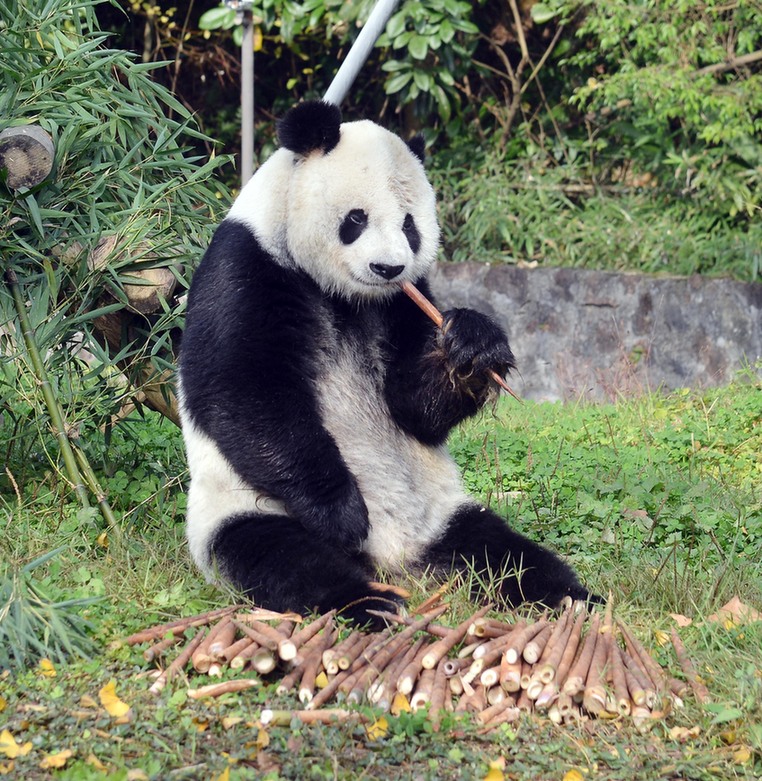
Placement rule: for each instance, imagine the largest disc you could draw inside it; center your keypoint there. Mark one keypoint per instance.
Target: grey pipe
(360, 50)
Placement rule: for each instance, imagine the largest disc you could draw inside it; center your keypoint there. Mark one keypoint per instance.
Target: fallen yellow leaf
(111, 702)
(93, 761)
(231, 721)
(662, 638)
(321, 681)
(86, 701)
(263, 739)
(573, 775)
(6, 768)
(682, 734)
(10, 748)
(59, 759)
(378, 729)
(3, 703)
(400, 704)
(495, 772)
(742, 755)
(137, 775)
(46, 668)
(224, 775)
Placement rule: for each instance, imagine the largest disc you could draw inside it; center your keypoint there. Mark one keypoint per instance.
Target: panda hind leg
(279, 565)
(506, 565)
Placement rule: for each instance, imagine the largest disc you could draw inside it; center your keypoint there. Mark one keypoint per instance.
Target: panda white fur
(316, 398)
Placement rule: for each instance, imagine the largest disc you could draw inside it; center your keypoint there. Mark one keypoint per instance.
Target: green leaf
(419, 47)
(222, 18)
(396, 25)
(422, 80)
(398, 82)
(542, 13)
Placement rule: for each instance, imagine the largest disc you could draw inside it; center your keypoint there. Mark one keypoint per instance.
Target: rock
(595, 334)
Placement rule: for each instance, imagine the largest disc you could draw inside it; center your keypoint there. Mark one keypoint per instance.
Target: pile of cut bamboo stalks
(568, 666)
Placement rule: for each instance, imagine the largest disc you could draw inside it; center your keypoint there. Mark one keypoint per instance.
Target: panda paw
(474, 344)
(374, 598)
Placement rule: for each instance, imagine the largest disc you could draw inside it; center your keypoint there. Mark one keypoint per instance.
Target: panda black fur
(316, 398)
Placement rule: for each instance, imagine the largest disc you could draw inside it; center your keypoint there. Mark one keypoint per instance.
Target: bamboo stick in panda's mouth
(434, 314)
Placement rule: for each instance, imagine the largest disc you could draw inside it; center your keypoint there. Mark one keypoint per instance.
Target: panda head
(348, 203)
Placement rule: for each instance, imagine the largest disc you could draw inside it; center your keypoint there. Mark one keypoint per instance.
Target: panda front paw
(362, 608)
(474, 344)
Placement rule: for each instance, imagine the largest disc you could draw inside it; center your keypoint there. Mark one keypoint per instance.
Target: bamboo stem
(157, 632)
(440, 648)
(225, 687)
(575, 682)
(51, 402)
(436, 316)
(699, 689)
(178, 664)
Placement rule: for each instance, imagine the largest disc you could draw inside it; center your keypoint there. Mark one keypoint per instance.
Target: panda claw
(361, 612)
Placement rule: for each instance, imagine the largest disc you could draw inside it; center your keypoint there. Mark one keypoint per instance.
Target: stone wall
(578, 333)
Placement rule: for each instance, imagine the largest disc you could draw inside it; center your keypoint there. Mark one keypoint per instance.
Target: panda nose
(386, 271)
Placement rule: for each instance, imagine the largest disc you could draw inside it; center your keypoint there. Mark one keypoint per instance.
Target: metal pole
(247, 98)
(360, 50)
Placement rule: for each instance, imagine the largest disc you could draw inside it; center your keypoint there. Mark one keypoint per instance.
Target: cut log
(27, 154)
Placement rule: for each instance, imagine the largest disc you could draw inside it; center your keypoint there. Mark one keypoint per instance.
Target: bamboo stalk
(409, 675)
(440, 696)
(225, 687)
(640, 655)
(621, 692)
(313, 646)
(514, 651)
(437, 630)
(575, 682)
(158, 648)
(386, 654)
(223, 639)
(381, 691)
(341, 679)
(686, 665)
(311, 665)
(310, 630)
(510, 674)
(228, 654)
(178, 664)
(55, 410)
(268, 637)
(555, 645)
(157, 632)
(436, 316)
(440, 648)
(202, 657)
(594, 695)
(534, 648)
(549, 673)
(283, 718)
(499, 642)
(491, 628)
(422, 692)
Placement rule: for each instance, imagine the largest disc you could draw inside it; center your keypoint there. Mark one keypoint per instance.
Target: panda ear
(311, 125)
(417, 146)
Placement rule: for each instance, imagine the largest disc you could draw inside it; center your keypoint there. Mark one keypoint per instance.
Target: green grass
(656, 499)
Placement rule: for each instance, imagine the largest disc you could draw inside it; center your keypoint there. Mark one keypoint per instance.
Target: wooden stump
(27, 154)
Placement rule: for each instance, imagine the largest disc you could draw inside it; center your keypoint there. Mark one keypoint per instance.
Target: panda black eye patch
(352, 226)
(411, 233)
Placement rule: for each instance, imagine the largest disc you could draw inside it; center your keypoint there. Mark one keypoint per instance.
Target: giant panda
(316, 398)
